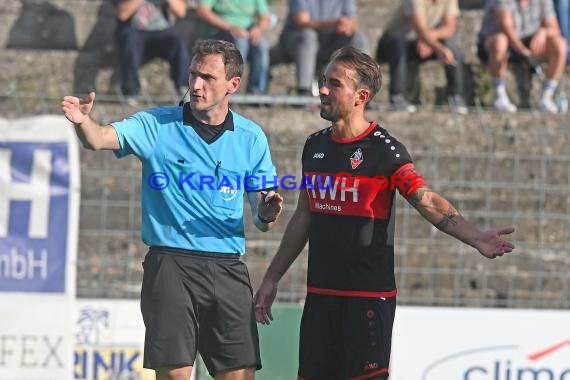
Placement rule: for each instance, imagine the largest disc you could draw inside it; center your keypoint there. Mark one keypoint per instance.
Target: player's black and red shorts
(346, 337)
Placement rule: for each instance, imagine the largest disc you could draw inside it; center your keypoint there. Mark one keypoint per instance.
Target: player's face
(338, 92)
(208, 83)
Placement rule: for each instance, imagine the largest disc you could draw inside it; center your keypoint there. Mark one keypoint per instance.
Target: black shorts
(514, 57)
(345, 337)
(198, 302)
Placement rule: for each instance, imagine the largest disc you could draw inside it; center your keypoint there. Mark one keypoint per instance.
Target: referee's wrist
(266, 221)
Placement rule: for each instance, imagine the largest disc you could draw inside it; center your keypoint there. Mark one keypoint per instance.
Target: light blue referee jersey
(192, 192)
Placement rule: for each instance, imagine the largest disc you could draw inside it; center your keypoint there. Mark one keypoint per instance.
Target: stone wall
(51, 47)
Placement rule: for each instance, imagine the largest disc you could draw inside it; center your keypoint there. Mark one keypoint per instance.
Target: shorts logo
(371, 366)
(319, 155)
(356, 158)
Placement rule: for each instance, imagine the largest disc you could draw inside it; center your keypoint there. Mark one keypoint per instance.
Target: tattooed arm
(441, 213)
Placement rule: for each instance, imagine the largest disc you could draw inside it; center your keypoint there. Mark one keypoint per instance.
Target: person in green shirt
(244, 23)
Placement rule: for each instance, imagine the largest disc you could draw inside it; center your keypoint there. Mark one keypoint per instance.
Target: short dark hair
(231, 56)
(367, 70)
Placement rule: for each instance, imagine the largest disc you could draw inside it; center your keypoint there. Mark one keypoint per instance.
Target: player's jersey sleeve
(407, 180)
(137, 134)
(405, 176)
(262, 175)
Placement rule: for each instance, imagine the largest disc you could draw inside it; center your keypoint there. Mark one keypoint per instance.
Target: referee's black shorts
(198, 302)
(346, 337)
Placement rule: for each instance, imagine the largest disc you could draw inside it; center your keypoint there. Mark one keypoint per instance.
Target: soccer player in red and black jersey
(346, 213)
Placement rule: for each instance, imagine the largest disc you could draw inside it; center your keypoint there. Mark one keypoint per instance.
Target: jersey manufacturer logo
(356, 158)
(319, 155)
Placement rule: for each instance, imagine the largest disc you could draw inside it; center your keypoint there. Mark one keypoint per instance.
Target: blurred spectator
(422, 30)
(523, 31)
(144, 31)
(314, 29)
(563, 13)
(243, 22)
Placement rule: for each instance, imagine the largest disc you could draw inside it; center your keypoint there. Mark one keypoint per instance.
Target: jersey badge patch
(356, 158)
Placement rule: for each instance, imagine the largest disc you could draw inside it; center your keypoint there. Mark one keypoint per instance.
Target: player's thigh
(319, 349)
(367, 336)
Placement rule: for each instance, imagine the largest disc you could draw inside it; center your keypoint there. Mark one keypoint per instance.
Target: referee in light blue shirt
(198, 161)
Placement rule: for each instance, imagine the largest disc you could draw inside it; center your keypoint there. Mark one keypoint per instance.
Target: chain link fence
(497, 170)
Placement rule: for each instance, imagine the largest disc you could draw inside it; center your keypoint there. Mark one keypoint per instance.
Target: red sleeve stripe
(408, 179)
(351, 293)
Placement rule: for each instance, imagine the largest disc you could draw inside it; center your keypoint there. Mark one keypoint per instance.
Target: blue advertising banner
(38, 205)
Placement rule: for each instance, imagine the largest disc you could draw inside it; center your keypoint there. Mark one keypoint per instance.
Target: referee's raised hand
(77, 110)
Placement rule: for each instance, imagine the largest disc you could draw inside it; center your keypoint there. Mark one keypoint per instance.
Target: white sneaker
(503, 104)
(547, 104)
(399, 103)
(457, 104)
(132, 101)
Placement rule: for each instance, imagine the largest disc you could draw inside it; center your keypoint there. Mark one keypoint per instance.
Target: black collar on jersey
(208, 133)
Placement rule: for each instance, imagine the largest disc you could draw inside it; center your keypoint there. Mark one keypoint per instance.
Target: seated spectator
(243, 22)
(422, 30)
(563, 13)
(314, 29)
(523, 31)
(144, 31)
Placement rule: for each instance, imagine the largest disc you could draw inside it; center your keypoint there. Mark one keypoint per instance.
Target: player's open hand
(492, 245)
(263, 300)
(77, 110)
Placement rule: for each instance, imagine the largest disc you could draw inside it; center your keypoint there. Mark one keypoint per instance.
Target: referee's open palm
(75, 109)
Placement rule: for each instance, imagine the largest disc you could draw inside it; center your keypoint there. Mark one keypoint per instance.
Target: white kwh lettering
(324, 186)
(36, 191)
(353, 189)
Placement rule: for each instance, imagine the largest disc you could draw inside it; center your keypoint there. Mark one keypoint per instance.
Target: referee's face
(208, 83)
(338, 92)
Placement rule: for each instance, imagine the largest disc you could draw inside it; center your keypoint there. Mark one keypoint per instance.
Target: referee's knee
(173, 373)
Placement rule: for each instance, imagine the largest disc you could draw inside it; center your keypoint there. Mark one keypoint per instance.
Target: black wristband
(266, 221)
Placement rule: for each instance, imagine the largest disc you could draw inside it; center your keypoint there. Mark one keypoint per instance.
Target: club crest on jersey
(356, 158)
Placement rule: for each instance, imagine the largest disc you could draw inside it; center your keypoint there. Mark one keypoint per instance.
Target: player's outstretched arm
(91, 134)
(441, 213)
(292, 243)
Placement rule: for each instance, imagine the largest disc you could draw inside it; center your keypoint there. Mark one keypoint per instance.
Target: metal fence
(498, 170)
(492, 187)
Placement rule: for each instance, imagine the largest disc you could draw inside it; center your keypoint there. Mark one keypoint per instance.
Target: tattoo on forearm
(416, 197)
(447, 219)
